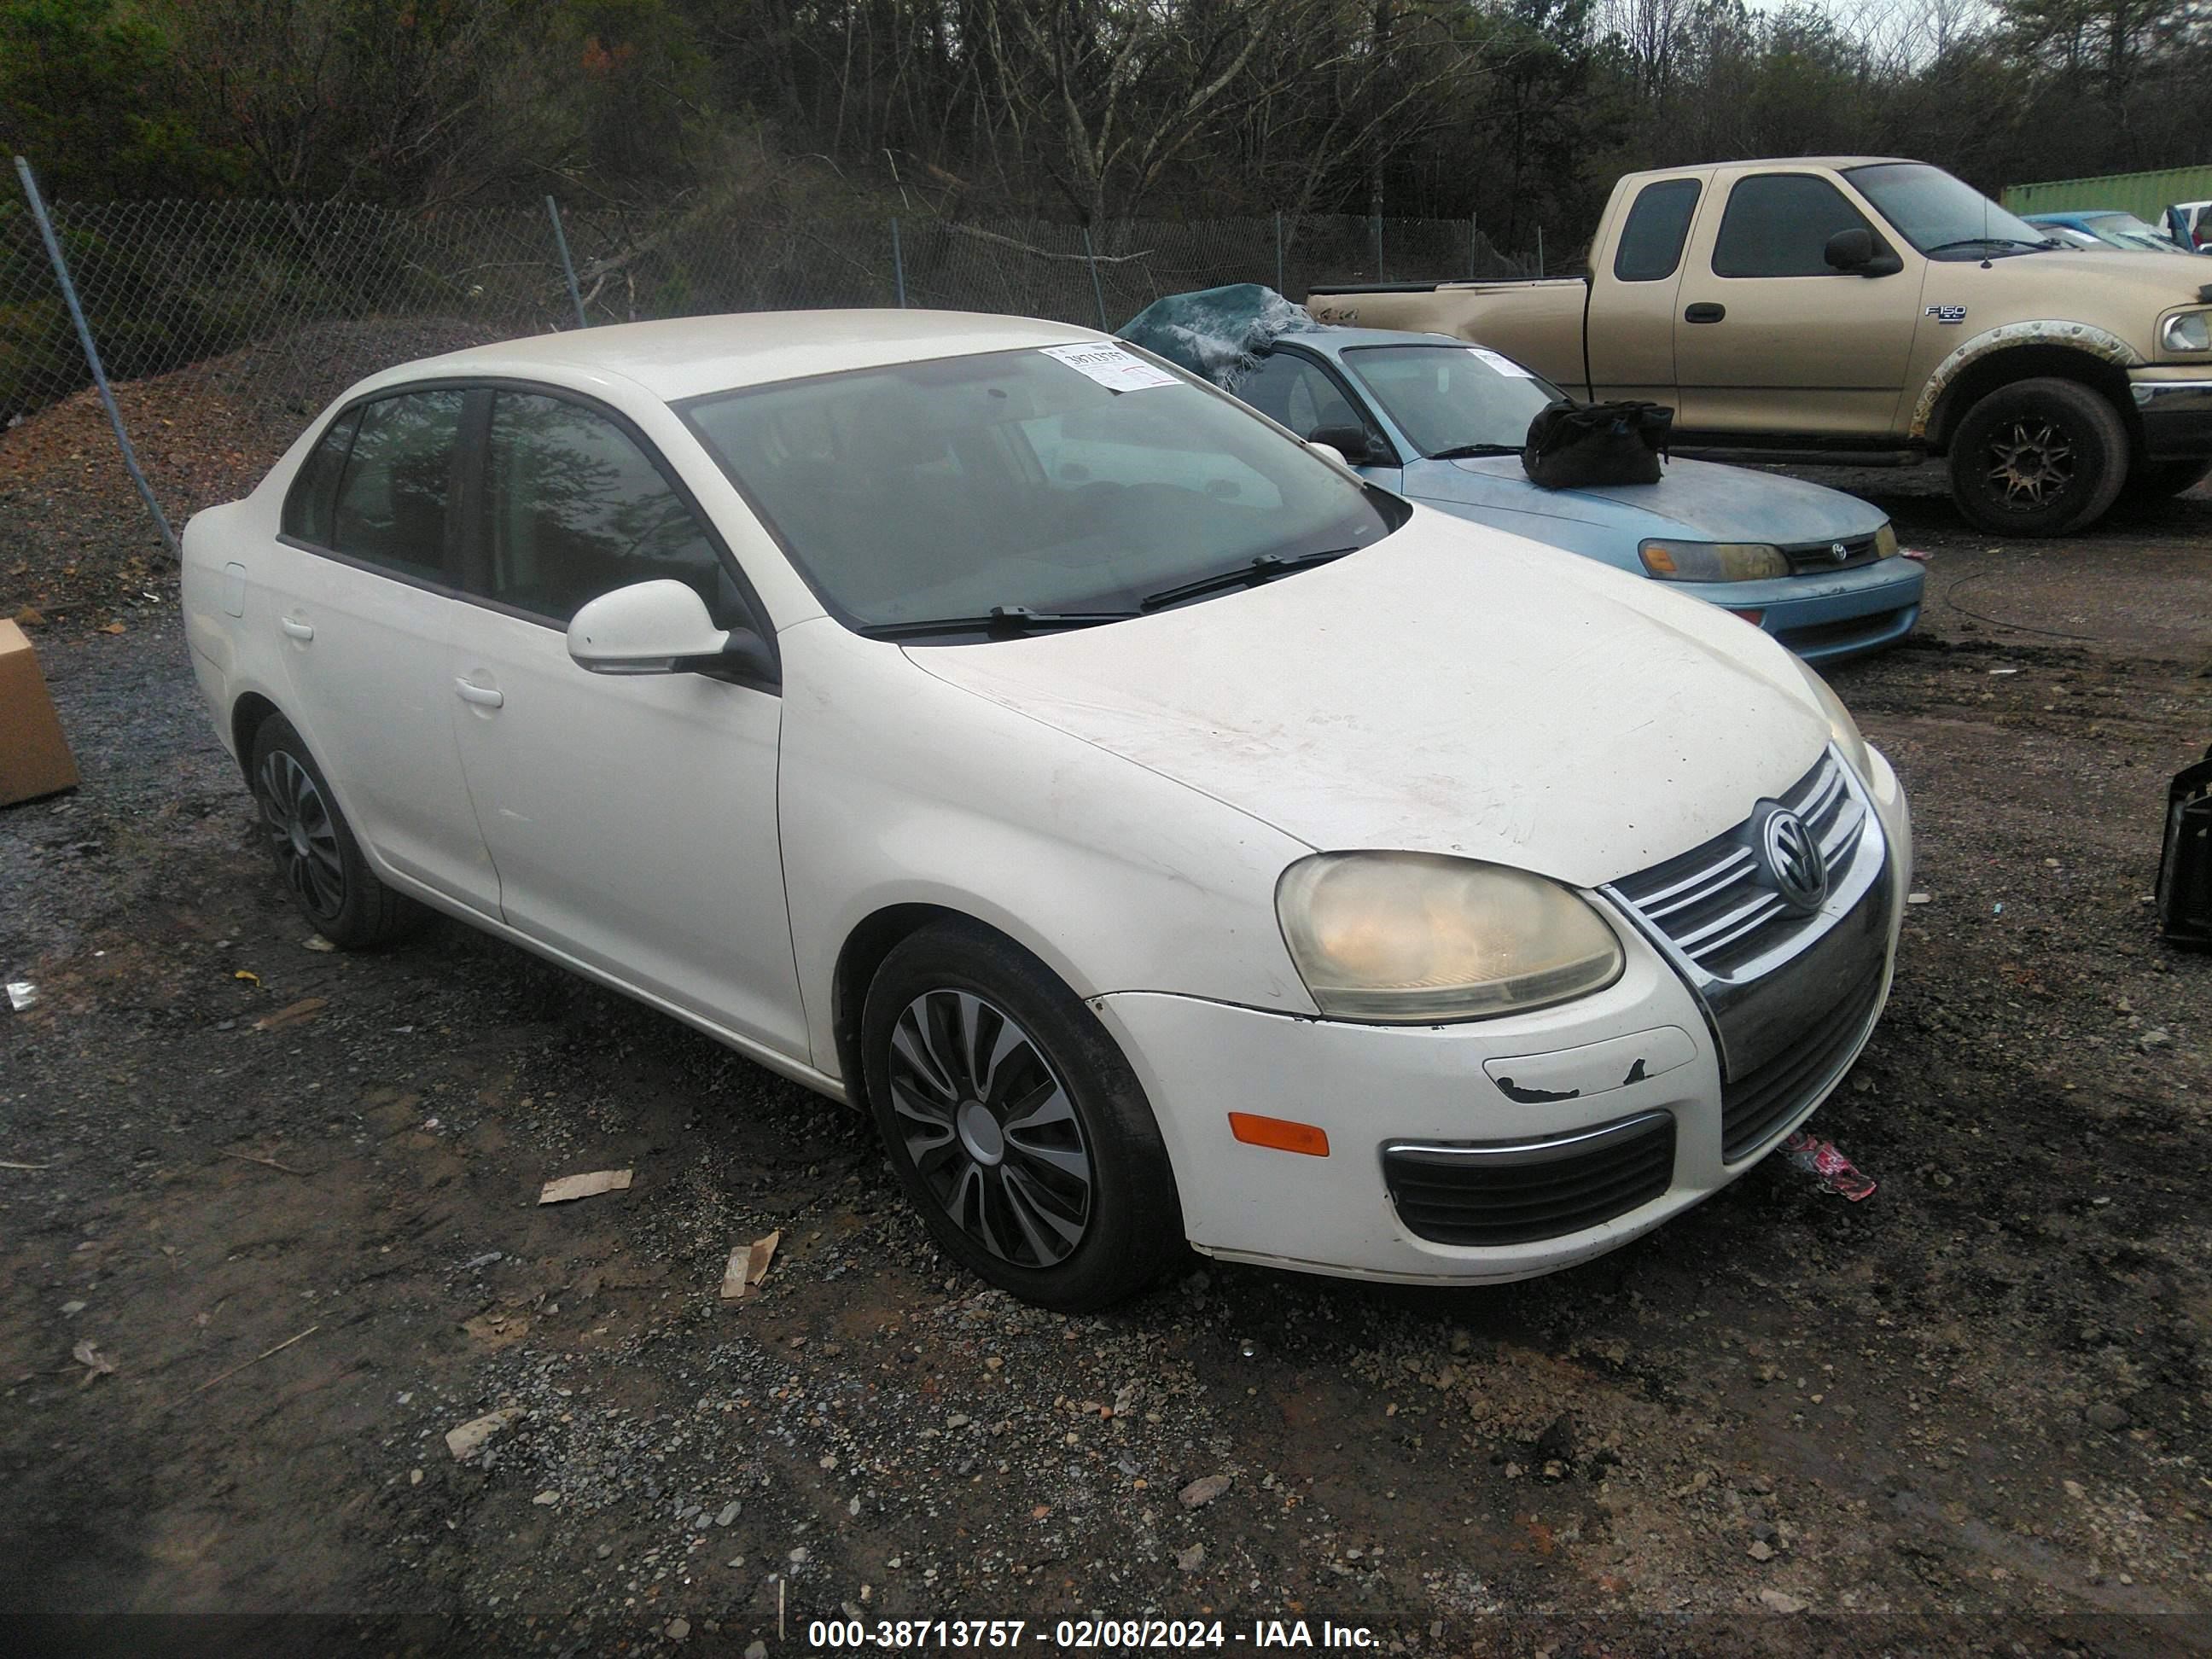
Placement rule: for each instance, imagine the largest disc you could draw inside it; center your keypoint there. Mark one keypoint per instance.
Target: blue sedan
(1442, 422)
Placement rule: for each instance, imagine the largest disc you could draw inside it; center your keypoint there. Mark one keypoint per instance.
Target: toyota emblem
(1838, 551)
(1789, 856)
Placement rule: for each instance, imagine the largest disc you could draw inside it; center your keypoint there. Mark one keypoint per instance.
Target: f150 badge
(1947, 313)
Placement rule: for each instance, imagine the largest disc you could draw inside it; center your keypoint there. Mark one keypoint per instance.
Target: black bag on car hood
(1573, 446)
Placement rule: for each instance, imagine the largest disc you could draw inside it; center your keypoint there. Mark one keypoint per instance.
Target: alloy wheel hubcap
(2031, 465)
(301, 831)
(990, 1127)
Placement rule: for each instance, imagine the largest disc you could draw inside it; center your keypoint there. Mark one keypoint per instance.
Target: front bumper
(1483, 1092)
(2176, 413)
(1828, 618)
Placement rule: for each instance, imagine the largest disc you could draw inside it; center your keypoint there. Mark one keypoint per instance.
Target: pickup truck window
(1657, 226)
(1778, 224)
(1943, 217)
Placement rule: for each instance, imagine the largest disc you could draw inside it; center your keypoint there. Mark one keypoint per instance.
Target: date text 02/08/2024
(1079, 1635)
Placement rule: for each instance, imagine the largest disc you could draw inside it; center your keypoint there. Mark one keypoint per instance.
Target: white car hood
(1451, 690)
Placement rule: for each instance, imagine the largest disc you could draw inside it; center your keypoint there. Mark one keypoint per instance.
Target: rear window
(307, 505)
(1658, 224)
(1778, 224)
(395, 493)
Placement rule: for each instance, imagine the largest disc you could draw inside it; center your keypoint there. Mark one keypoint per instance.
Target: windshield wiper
(1989, 241)
(1000, 618)
(1266, 568)
(1468, 452)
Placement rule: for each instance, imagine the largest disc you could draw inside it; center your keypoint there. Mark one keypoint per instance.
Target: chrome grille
(1712, 902)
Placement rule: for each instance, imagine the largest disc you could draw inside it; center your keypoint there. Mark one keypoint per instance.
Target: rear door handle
(1705, 312)
(297, 629)
(484, 696)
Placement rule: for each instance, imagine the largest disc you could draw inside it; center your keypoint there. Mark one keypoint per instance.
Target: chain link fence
(168, 285)
(276, 308)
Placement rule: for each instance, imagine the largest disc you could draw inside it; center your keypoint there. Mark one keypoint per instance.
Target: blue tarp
(1217, 333)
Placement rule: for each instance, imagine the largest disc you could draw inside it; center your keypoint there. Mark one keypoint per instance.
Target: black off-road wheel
(2158, 481)
(320, 862)
(2038, 458)
(1014, 1123)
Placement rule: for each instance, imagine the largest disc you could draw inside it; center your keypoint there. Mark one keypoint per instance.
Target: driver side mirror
(1853, 251)
(1349, 441)
(661, 628)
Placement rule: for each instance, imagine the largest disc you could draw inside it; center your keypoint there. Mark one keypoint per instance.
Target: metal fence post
(1279, 254)
(1540, 250)
(1099, 292)
(92, 356)
(567, 265)
(1378, 248)
(898, 265)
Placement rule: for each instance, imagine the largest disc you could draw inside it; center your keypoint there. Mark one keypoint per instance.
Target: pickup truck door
(1769, 341)
(1629, 334)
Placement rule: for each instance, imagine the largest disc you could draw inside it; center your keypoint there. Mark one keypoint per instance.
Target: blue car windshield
(1024, 480)
(1451, 398)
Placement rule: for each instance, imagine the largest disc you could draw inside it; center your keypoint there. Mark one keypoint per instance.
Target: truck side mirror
(1853, 251)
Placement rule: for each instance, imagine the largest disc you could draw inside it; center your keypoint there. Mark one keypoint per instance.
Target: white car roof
(686, 356)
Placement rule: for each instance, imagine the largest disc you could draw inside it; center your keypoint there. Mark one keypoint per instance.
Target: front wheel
(2038, 458)
(1014, 1123)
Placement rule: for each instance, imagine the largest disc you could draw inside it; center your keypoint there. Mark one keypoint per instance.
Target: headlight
(1885, 541)
(2187, 331)
(1420, 937)
(1712, 561)
(1841, 726)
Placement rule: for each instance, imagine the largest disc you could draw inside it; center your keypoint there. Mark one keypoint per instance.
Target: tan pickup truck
(1856, 308)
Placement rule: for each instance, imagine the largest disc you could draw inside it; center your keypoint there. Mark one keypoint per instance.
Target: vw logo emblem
(1790, 858)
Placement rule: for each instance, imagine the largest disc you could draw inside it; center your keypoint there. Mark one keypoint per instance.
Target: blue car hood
(1697, 500)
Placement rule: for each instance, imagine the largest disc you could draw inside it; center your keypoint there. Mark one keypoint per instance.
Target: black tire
(989, 1081)
(2156, 481)
(2038, 458)
(317, 857)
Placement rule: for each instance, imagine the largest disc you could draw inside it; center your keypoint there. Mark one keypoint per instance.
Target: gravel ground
(1968, 1414)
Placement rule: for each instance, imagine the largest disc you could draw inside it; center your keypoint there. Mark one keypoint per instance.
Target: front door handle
(298, 629)
(484, 696)
(1705, 312)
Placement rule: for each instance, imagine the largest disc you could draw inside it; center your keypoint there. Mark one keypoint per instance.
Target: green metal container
(2146, 195)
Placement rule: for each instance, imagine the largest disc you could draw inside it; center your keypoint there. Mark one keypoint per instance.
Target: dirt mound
(77, 545)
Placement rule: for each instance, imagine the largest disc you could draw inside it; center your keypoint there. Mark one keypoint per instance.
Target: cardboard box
(34, 755)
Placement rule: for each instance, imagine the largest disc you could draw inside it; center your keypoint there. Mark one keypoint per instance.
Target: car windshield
(1451, 398)
(1943, 217)
(1024, 486)
(2125, 230)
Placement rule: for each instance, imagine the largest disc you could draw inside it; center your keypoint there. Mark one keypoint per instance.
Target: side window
(395, 494)
(307, 504)
(573, 508)
(1658, 225)
(1778, 224)
(1293, 389)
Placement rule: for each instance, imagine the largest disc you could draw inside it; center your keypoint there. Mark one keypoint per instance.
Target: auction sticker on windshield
(1502, 364)
(1111, 367)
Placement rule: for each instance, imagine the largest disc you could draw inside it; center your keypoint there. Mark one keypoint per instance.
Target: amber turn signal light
(1280, 1133)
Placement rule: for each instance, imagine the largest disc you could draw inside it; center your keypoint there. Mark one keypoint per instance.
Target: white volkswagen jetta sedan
(1161, 833)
